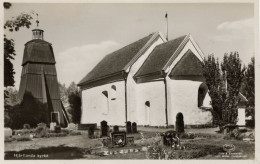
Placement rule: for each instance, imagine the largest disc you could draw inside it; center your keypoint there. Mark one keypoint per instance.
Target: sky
(82, 34)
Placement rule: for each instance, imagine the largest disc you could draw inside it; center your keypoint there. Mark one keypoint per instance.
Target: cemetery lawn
(208, 145)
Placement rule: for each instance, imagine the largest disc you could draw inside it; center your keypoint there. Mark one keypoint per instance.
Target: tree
(249, 83)
(233, 74)
(74, 99)
(22, 20)
(224, 85)
(12, 111)
(248, 89)
(212, 74)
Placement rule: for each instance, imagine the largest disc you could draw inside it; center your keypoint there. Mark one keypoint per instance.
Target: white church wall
(132, 91)
(183, 97)
(152, 92)
(183, 94)
(96, 106)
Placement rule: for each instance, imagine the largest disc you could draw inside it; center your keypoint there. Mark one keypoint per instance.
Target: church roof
(115, 62)
(38, 51)
(189, 64)
(159, 57)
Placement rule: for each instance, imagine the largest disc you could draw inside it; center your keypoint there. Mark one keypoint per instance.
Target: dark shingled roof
(159, 57)
(188, 65)
(116, 61)
(38, 51)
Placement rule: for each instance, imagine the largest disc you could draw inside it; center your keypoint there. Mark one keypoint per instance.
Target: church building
(148, 82)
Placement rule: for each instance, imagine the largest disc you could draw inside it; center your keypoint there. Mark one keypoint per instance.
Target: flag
(166, 15)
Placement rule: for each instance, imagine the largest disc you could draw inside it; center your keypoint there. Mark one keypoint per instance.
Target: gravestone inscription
(118, 138)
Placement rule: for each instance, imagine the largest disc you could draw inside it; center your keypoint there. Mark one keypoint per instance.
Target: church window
(201, 94)
(105, 102)
(113, 92)
(147, 113)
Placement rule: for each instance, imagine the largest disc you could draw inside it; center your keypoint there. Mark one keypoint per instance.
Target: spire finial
(37, 21)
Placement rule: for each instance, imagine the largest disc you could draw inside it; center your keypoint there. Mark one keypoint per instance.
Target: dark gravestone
(179, 124)
(134, 127)
(116, 128)
(104, 128)
(118, 138)
(128, 127)
(91, 131)
(57, 129)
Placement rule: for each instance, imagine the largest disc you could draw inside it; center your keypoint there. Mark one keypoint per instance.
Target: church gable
(188, 68)
(159, 57)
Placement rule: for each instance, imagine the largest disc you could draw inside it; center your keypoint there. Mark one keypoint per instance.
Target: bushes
(26, 126)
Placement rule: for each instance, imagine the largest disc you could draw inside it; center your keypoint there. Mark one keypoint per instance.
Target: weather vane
(37, 21)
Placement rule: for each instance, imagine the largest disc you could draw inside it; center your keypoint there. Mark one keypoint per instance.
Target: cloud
(231, 31)
(239, 25)
(74, 63)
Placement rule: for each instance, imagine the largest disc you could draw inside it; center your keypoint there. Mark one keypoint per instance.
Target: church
(148, 82)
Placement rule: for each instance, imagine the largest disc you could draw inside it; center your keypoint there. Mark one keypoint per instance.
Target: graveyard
(89, 141)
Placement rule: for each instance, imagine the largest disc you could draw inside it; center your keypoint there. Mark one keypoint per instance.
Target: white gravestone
(52, 125)
(241, 116)
(8, 132)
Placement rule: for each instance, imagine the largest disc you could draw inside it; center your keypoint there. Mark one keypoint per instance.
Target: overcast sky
(82, 34)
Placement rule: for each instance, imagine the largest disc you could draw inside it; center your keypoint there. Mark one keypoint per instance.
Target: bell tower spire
(37, 33)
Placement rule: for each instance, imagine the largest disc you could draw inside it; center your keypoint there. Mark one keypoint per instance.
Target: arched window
(113, 92)
(147, 103)
(147, 113)
(106, 102)
(201, 94)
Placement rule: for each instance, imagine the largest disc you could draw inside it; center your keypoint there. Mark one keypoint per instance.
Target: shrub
(26, 126)
(41, 131)
(24, 131)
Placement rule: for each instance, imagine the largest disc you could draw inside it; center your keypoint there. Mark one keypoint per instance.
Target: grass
(203, 146)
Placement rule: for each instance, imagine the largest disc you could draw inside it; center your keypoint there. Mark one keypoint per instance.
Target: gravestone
(104, 129)
(52, 125)
(8, 132)
(41, 125)
(179, 124)
(91, 131)
(118, 138)
(116, 128)
(57, 129)
(134, 127)
(128, 127)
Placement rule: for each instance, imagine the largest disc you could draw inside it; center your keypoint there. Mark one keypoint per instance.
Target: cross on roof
(37, 21)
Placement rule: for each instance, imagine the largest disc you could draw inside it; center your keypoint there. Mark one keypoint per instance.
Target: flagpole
(166, 16)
